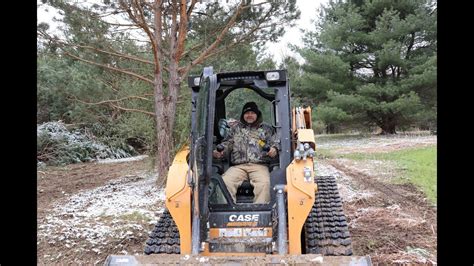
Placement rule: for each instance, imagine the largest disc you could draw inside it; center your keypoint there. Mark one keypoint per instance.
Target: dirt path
(87, 211)
(396, 224)
(393, 223)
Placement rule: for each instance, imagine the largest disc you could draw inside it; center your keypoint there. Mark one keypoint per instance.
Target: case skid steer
(304, 222)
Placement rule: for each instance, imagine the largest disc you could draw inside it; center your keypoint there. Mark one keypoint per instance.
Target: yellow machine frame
(300, 192)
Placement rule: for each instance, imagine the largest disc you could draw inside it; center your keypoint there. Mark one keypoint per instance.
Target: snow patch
(117, 197)
(129, 159)
(117, 210)
(59, 146)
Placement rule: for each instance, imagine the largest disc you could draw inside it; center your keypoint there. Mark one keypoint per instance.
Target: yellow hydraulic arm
(301, 187)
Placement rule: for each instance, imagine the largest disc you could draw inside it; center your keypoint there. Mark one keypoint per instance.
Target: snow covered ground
(129, 159)
(123, 208)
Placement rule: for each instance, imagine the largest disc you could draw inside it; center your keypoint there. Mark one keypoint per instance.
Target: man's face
(250, 117)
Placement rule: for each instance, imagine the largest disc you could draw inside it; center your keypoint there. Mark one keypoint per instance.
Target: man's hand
(272, 152)
(217, 154)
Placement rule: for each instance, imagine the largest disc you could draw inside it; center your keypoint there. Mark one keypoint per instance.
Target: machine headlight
(196, 81)
(273, 76)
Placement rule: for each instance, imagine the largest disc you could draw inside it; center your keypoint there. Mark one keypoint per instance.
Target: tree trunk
(163, 154)
(331, 129)
(164, 141)
(164, 136)
(165, 110)
(388, 127)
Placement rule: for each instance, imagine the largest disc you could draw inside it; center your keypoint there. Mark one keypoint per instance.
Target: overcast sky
(279, 50)
(293, 35)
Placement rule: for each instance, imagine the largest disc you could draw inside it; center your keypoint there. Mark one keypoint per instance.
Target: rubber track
(326, 228)
(165, 236)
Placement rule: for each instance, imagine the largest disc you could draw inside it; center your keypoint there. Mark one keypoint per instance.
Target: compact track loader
(304, 222)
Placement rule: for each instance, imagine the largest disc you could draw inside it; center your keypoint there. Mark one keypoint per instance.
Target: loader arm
(301, 187)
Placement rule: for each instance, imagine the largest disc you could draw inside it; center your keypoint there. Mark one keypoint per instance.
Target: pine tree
(179, 35)
(373, 62)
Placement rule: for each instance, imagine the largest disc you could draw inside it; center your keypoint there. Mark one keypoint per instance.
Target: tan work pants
(259, 178)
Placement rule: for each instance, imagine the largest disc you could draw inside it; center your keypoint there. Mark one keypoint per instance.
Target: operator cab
(229, 102)
(218, 102)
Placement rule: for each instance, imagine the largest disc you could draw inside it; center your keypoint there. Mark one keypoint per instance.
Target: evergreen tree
(373, 62)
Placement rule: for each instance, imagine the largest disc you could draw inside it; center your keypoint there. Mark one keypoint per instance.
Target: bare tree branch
(159, 31)
(218, 40)
(111, 103)
(135, 40)
(230, 46)
(124, 29)
(114, 53)
(192, 49)
(142, 23)
(110, 68)
(190, 9)
(115, 101)
(115, 12)
(120, 24)
(243, 38)
(110, 85)
(133, 110)
(183, 30)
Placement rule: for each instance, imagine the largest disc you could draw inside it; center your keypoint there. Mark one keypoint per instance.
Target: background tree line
(366, 64)
(372, 64)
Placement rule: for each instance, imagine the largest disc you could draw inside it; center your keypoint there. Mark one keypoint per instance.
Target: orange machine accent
(302, 131)
(300, 190)
(303, 115)
(301, 197)
(178, 198)
(306, 135)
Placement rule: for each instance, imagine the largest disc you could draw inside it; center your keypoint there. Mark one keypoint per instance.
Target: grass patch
(417, 165)
(324, 154)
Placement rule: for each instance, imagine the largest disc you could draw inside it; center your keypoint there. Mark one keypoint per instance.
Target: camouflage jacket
(246, 144)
